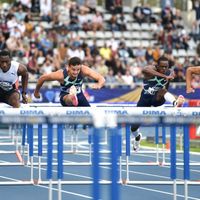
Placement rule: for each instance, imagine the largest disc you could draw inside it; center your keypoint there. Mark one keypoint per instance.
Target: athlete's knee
(162, 92)
(14, 100)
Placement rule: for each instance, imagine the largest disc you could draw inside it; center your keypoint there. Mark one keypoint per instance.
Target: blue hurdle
(115, 130)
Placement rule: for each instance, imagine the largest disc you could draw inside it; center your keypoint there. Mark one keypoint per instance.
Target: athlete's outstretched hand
(36, 94)
(170, 77)
(95, 86)
(190, 90)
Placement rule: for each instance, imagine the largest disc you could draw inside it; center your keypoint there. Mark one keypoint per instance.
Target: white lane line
(127, 185)
(160, 191)
(67, 192)
(55, 189)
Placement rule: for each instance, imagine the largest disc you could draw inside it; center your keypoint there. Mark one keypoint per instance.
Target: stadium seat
(136, 26)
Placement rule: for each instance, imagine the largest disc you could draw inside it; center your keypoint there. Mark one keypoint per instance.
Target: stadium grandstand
(117, 38)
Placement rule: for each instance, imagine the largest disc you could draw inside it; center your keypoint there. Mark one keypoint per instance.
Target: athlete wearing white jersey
(9, 73)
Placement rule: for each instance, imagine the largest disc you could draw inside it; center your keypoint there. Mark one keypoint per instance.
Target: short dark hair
(74, 61)
(162, 58)
(5, 53)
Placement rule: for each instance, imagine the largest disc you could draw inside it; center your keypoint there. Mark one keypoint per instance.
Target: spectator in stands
(136, 71)
(113, 24)
(156, 53)
(26, 4)
(110, 78)
(91, 4)
(121, 21)
(119, 78)
(28, 25)
(195, 61)
(46, 43)
(114, 6)
(84, 20)
(62, 49)
(46, 10)
(184, 38)
(74, 24)
(2, 42)
(128, 78)
(196, 7)
(149, 55)
(177, 20)
(88, 59)
(195, 32)
(109, 5)
(75, 50)
(101, 67)
(139, 52)
(20, 14)
(94, 49)
(40, 58)
(97, 22)
(47, 67)
(147, 13)
(118, 67)
(105, 52)
(179, 73)
(124, 53)
(118, 7)
(167, 16)
(138, 14)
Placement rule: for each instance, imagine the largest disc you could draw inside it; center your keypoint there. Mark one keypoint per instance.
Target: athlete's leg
(145, 101)
(13, 99)
(83, 102)
(69, 100)
(167, 96)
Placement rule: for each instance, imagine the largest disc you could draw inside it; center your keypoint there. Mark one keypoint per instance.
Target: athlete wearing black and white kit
(9, 72)
(65, 87)
(7, 82)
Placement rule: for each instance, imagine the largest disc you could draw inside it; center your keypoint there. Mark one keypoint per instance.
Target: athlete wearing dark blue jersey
(71, 79)
(155, 91)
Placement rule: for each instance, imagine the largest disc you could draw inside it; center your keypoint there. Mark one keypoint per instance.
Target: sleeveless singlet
(151, 86)
(9, 78)
(68, 82)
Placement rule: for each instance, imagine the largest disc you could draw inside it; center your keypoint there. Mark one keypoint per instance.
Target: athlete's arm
(23, 72)
(86, 71)
(190, 71)
(151, 71)
(54, 76)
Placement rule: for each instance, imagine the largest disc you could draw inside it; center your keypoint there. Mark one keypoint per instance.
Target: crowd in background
(45, 42)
